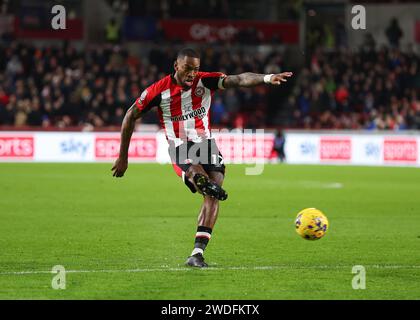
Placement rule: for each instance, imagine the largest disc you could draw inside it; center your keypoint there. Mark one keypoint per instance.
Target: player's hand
(278, 78)
(119, 168)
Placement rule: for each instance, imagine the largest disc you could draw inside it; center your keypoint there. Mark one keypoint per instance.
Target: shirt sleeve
(148, 99)
(213, 80)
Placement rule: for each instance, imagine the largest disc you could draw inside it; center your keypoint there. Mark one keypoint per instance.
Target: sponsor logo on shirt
(197, 113)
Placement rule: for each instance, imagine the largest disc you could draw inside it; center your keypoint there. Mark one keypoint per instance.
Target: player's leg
(204, 184)
(206, 220)
(207, 177)
(210, 208)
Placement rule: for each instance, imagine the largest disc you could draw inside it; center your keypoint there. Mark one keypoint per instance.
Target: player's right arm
(148, 99)
(127, 129)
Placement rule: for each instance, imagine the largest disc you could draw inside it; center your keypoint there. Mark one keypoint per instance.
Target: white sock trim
(203, 234)
(197, 250)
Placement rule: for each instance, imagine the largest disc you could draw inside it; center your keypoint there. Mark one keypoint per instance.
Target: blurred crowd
(62, 87)
(365, 89)
(341, 89)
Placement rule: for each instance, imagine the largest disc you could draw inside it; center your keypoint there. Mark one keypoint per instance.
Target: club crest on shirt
(199, 91)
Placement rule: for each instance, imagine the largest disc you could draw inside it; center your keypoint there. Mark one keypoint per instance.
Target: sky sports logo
(373, 150)
(244, 147)
(335, 149)
(308, 148)
(143, 148)
(16, 147)
(72, 146)
(400, 150)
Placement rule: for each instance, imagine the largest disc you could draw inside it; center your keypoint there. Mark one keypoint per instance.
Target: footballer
(183, 99)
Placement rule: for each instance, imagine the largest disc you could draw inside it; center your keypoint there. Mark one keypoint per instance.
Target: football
(311, 224)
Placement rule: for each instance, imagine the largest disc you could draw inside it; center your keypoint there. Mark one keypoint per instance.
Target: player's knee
(217, 177)
(193, 170)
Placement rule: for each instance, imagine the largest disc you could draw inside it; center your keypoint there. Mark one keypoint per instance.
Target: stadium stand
(366, 89)
(62, 87)
(55, 85)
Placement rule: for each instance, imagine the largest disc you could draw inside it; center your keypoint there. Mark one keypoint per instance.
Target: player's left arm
(249, 79)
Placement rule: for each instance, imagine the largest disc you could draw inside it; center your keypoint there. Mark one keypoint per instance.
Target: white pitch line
(211, 268)
(322, 185)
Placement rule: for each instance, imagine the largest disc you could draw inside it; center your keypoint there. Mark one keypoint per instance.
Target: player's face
(186, 70)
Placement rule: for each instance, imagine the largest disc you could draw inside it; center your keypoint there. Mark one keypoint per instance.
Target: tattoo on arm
(247, 79)
(127, 129)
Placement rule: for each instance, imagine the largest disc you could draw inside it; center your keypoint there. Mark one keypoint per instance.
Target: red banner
(73, 31)
(245, 148)
(401, 150)
(214, 30)
(141, 148)
(335, 149)
(16, 147)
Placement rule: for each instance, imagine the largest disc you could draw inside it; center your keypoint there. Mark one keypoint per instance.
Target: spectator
(340, 34)
(217, 111)
(112, 32)
(4, 98)
(35, 115)
(394, 33)
(369, 42)
(14, 67)
(279, 143)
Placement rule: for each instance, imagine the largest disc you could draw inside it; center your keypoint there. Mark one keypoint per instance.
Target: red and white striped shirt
(184, 114)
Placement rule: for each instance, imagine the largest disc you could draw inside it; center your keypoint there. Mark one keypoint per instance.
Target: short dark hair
(187, 52)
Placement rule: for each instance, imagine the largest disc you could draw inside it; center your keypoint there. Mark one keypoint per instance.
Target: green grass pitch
(128, 238)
